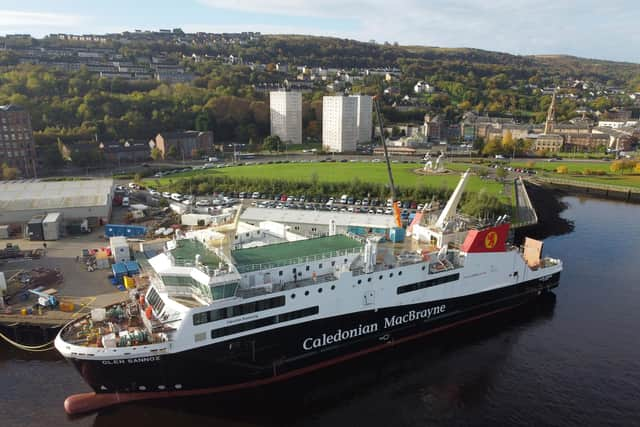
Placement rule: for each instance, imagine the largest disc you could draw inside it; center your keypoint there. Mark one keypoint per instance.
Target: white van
(344, 198)
(177, 197)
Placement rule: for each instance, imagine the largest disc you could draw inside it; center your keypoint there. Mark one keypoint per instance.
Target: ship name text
(388, 322)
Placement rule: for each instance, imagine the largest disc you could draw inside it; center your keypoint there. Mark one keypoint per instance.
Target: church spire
(551, 115)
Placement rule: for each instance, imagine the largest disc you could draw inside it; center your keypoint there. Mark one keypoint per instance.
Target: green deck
(187, 249)
(293, 252)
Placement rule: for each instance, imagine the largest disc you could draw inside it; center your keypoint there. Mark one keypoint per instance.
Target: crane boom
(396, 210)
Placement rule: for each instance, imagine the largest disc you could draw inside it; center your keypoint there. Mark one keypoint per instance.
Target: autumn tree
(493, 147)
(562, 170)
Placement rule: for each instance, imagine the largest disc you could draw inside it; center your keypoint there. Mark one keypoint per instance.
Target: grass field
(346, 172)
(575, 170)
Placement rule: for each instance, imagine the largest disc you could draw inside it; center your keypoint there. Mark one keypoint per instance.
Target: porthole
(390, 274)
(369, 279)
(333, 287)
(359, 281)
(306, 293)
(319, 290)
(380, 277)
(319, 265)
(293, 296)
(345, 260)
(333, 263)
(399, 273)
(423, 268)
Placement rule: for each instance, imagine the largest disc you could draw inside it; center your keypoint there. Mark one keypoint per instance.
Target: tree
(562, 170)
(156, 154)
(172, 153)
(478, 144)
(493, 147)
(9, 173)
(272, 143)
(508, 144)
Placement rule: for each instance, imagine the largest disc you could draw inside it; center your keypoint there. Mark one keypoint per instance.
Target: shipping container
(34, 228)
(120, 249)
(51, 226)
(4, 231)
(119, 270)
(132, 267)
(113, 230)
(396, 235)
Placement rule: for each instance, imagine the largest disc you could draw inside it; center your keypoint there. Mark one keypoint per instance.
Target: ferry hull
(270, 356)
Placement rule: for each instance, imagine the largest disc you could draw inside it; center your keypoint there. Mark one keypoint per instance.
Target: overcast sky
(587, 28)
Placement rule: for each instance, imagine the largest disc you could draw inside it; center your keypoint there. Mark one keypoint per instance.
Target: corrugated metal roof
(301, 216)
(46, 195)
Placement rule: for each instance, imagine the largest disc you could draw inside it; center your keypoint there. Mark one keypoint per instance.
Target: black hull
(270, 356)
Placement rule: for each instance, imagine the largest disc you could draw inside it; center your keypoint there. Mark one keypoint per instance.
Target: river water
(570, 359)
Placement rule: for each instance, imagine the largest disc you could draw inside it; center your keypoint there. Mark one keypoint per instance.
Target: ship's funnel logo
(491, 240)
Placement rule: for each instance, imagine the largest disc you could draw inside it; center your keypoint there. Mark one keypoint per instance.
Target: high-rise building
(286, 116)
(364, 123)
(339, 123)
(17, 148)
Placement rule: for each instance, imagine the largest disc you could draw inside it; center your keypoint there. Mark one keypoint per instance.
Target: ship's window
(320, 266)
(345, 260)
(399, 273)
(319, 290)
(333, 263)
(369, 279)
(280, 273)
(293, 296)
(359, 281)
(238, 310)
(423, 268)
(380, 277)
(427, 283)
(390, 274)
(200, 336)
(333, 287)
(307, 268)
(285, 317)
(200, 318)
(306, 293)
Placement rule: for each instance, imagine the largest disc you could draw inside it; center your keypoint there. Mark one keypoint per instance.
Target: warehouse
(316, 223)
(74, 200)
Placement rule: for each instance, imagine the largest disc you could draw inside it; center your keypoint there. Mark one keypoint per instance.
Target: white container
(4, 231)
(51, 226)
(119, 249)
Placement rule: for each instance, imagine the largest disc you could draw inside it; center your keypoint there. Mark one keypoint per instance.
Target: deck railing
(298, 260)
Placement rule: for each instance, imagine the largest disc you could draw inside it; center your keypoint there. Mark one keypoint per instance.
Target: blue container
(132, 267)
(114, 281)
(113, 230)
(396, 235)
(120, 287)
(119, 269)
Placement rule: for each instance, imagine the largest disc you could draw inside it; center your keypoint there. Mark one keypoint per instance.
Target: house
(127, 152)
(183, 145)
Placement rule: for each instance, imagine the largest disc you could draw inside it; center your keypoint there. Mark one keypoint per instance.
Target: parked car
(176, 196)
(203, 202)
(166, 194)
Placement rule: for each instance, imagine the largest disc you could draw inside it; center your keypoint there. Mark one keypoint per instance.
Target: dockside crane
(396, 209)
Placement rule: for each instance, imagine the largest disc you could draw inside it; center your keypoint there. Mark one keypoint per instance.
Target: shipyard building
(77, 200)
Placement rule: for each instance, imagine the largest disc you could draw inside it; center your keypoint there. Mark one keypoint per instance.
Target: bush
(563, 170)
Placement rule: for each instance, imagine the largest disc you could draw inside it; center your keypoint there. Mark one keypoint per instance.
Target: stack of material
(102, 260)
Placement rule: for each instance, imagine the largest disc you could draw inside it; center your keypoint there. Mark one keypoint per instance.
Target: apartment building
(339, 123)
(17, 148)
(286, 116)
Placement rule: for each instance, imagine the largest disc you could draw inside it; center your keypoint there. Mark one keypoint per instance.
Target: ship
(216, 317)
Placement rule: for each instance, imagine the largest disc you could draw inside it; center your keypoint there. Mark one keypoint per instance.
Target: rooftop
(301, 216)
(187, 249)
(38, 194)
(280, 253)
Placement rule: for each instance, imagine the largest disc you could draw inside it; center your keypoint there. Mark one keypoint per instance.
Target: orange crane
(396, 208)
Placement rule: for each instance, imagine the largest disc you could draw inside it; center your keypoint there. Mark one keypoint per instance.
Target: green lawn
(345, 172)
